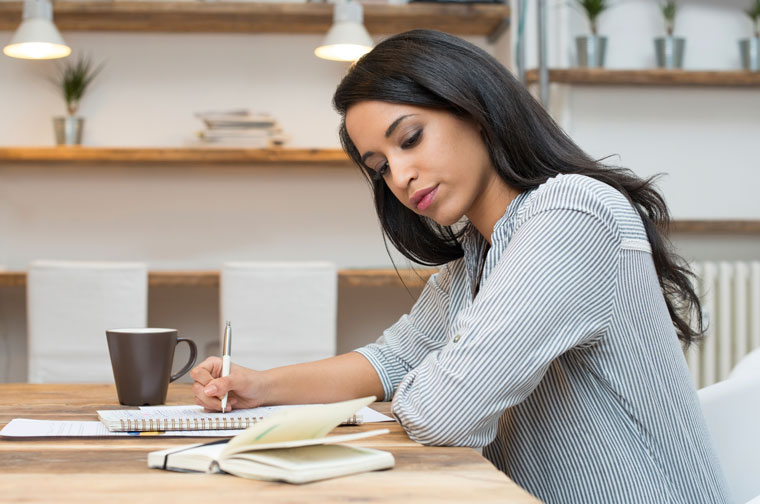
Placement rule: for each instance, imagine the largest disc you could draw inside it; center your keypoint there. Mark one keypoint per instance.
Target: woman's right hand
(242, 385)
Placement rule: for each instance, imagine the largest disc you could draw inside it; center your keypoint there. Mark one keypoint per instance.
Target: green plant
(73, 79)
(669, 9)
(754, 13)
(593, 8)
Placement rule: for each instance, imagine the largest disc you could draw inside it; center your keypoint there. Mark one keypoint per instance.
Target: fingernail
(210, 390)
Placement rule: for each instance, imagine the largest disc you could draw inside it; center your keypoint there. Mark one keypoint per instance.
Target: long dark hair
(433, 69)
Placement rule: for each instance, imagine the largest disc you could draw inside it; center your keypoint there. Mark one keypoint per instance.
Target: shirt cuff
(373, 354)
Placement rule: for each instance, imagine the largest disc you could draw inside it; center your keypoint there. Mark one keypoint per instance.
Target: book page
(310, 457)
(301, 465)
(292, 424)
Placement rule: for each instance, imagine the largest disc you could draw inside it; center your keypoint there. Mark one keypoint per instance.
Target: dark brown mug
(141, 359)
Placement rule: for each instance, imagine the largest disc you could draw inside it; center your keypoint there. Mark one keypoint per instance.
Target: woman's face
(435, 163)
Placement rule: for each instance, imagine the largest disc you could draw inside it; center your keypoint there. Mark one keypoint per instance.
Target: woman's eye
(382, 170)
(412, 140)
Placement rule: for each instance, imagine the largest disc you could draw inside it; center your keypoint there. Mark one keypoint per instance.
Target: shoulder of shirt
(442, 278)
(585, 195)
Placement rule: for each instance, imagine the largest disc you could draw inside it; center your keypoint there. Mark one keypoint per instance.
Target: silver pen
(226, 357)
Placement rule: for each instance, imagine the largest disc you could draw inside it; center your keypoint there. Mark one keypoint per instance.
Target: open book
(291, 445)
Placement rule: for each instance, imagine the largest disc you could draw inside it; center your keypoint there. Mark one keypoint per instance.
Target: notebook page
(188, 418)
(293, 424)
(366, 414)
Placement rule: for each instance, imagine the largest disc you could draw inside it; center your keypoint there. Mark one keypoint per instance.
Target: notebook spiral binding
(174, 424)
(354, 419)
(202, 423)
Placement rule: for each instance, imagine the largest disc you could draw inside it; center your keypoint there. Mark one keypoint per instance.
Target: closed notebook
(290, 445)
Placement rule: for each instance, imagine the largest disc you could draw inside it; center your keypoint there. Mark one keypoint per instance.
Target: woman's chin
(444, 220)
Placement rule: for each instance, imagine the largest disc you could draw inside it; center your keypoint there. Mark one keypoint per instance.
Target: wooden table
(109, 470)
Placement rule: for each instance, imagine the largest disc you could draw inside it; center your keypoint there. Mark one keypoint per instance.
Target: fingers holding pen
(207, 370)
(209, 386)
(211, 401)
(204, 376)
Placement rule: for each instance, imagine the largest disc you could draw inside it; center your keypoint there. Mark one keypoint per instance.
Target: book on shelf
(249, 142)
(291, 445)
(215, 134)
(236, 119)
(241, 142)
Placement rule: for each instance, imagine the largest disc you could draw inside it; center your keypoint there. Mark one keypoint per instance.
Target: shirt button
(456, 338)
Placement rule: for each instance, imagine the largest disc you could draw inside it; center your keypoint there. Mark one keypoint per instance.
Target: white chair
(748, 367)
(69, 307)
(732, 412)
(281, 313)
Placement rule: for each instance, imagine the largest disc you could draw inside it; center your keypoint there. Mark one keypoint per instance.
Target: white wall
(186, 217)
(197, 217)
(704, 139)
(152, 85)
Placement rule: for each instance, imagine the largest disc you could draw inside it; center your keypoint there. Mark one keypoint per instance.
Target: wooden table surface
(107, 470)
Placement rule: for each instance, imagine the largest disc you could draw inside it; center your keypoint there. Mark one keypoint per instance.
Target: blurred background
(165, 63)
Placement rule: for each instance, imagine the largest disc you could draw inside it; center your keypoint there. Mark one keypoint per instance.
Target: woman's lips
(424, 198)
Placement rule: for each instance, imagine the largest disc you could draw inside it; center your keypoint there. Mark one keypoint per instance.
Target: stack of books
(240, 128)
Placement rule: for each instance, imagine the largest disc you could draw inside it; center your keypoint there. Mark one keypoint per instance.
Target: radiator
(730, 295)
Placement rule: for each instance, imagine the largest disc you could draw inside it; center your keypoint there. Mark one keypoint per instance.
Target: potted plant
(73, 79)
(591, 49)
(750, 47)
(669, 49)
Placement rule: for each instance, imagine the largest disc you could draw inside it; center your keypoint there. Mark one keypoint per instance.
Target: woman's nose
(403, 172)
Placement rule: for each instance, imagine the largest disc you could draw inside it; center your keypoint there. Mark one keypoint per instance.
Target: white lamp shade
(346, 41)
(37, 37)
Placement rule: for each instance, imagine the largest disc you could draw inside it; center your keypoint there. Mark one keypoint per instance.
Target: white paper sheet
(24, 427)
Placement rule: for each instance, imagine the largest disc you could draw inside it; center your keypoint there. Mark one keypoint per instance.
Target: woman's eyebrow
(388, 133)
(396, 123)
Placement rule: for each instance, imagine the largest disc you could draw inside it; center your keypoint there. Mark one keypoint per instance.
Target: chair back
(70, 304)
(281, 312)
(732, 411)
(748, 367)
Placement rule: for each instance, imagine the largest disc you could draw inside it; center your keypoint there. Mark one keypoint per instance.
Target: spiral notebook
(190, 417)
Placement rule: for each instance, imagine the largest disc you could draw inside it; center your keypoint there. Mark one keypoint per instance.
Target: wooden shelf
(249, 17)
(651, 77)
(202, 155)
(412, 278)
(736, 227)
(384, 277)
(346, 278)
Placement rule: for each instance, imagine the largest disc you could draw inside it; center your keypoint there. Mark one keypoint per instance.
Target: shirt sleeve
(405, 344)
(551, 290)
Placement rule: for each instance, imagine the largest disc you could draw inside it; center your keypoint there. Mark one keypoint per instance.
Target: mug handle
(190, 362)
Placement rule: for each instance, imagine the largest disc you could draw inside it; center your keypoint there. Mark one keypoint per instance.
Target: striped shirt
(565, 366)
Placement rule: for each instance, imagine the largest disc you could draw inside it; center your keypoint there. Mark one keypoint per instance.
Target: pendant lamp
(37, 37)
(347, 39)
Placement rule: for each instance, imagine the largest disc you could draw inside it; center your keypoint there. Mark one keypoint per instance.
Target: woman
(550, 336)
